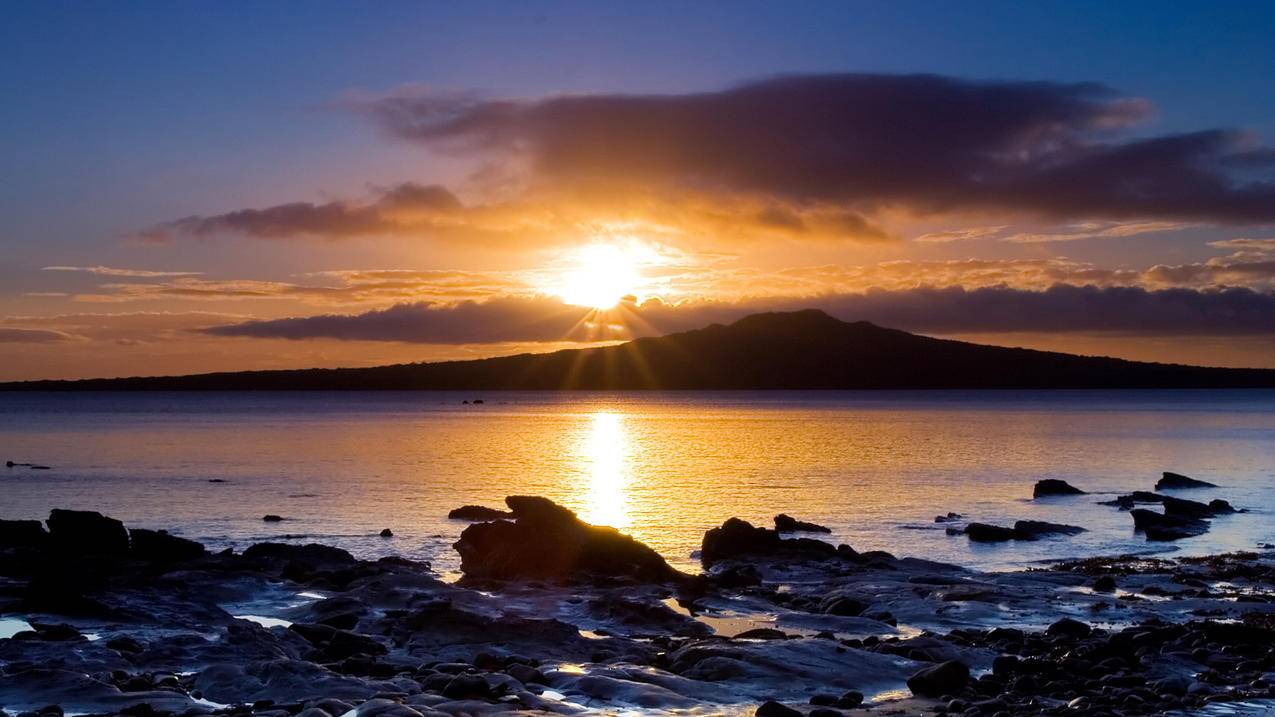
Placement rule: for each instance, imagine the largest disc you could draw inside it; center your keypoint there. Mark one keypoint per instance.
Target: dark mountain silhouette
(796, 350)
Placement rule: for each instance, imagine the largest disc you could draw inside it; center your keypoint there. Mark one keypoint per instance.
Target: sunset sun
(600, 276)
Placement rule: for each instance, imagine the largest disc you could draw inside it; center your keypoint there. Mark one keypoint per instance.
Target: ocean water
(876, 467)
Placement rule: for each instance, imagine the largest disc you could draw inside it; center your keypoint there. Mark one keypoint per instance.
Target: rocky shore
(554, 616)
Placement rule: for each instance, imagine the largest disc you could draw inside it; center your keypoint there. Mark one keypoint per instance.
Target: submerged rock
(86, 532)
(546, 541)
(1178, 481)
(1036, 528)
(1054, 486)
(986, 533)
(1129, 500)
(477, 513)
(949, 518)
(272, 518)
(1161, 527)
(785, 523)
(740, 539)
(945, 678)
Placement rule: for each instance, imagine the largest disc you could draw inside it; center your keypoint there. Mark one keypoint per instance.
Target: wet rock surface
(1170, 480)
(1054, 486)
(777, 626)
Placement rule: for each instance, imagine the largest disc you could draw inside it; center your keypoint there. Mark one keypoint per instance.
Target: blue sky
(121, 116)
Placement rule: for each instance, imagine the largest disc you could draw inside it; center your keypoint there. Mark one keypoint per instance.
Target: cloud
(395, 209)
(948, 310)
(112, 271)
(33, 336)
(1096, 230)
(861, 142)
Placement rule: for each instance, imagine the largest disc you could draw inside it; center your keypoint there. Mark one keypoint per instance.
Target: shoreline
(554, 616)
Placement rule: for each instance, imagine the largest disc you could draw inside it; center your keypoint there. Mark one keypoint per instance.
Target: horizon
(424, 183)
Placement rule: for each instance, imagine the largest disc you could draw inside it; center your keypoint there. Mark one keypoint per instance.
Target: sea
(874, 467)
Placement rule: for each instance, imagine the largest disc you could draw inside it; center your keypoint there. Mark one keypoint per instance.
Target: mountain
(796, 350)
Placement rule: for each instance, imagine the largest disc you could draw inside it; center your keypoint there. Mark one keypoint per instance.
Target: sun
(602, 275)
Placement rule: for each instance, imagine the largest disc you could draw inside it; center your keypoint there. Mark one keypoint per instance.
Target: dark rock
(467, 686)
(478, 513)
(1129, 500)
(1104, 584)
(824, 712)
(59, 632)
(159, 546)
(311, 555)
(737, 576)
(548, 542)
(527, 674)
(787, 524)
(843, 606)
(850, 700)
(823, 700)
(387, 533)
(22, 534)
(1067, 627)
(1177, 481)
(125, 644)
(739, 539)
(1037, 528)
(762, 633)
(949, 518)
(771, 708)
(272, 518)
(1054, 486)
(984, 533)
(1195, 509)
(1161, 527)
(945, 678)
(86, 532)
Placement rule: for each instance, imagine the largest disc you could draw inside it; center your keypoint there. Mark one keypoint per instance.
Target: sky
(204, 186)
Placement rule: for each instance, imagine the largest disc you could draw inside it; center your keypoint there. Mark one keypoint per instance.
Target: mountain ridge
(805, 349)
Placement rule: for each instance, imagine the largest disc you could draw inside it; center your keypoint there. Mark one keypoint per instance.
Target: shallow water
(876, 467)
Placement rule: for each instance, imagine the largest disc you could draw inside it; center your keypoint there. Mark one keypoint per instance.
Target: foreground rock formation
(555, 616)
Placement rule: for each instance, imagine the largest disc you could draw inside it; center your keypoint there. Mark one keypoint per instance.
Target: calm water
(875, 467)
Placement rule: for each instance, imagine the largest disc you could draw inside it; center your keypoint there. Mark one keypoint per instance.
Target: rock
(125, 644)
(771, 708)
(949, 518)
(1037, 528)
(1161, 527)
(945, 678)
(86, 532)
(1104, 584)
(984, 533)
(1177, 481)
(1129, 500)
(1067, 627)
(22, 534)
(272, 518)
(1196, 509)
(526, 674)
(850, 700)
(312, 555)
(787, 524)
(761, 633)
(1053, 486)
(387, 533)
(842, 606)
(548, 542)
(158, 546)
(740, 539)
(466, 686)
(824, 712)
(478, 513)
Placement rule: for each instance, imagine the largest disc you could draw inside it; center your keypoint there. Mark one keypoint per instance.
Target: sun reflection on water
(604, 461)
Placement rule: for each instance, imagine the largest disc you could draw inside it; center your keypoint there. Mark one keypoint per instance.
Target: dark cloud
(930, 310)
(925, 142)
(33, 336)
(405, 205)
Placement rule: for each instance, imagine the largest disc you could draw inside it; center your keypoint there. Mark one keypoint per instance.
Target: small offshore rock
(272, 518)
(86, 532)
(1104, 584)
(785, 523)
(477, 513)
(850, 700)
(1162, 527)
(1054, 486)
(1178, 481)
(949, 518)
(387, 533)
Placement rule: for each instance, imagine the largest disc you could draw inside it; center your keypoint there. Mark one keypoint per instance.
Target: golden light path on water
(605, 460)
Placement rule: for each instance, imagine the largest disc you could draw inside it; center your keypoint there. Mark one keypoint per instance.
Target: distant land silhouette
(794, 350)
